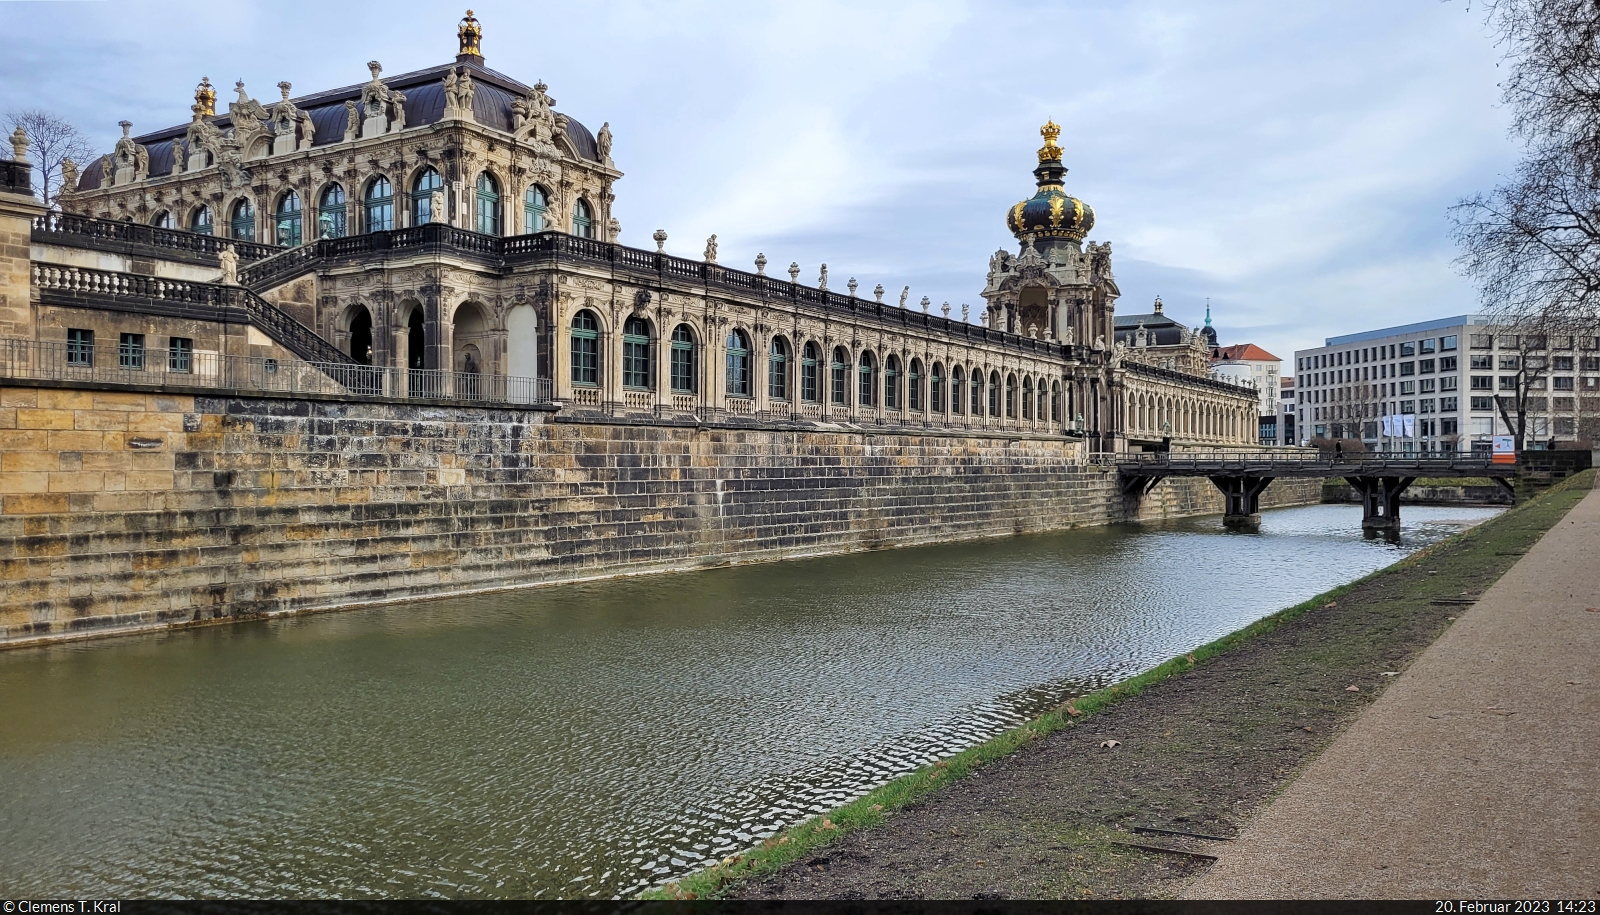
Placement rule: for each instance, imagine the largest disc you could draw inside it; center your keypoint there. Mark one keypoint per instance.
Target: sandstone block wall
(123, 510)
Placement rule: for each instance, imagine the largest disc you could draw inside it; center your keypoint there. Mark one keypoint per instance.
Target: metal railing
(1358, 463)
(98, 363)
(67, 227)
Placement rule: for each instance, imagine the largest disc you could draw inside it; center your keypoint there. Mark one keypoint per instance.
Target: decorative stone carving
(352, 122)
(711, 249)
(248, 117)
(1033, 331)
(822, 281)
(946, 309)
(19, 145)
(69, 175)
(108, 167)
(852, 285)
(602, 143)
(964, 316)
(375, 100)
(660, 236)
(286, 120)
(761, 264)
(794, 272)
(202, 138)
(458, 93)
(613, 229)
(436, 208)
(230, 265)
(877, 292)
(925, 304)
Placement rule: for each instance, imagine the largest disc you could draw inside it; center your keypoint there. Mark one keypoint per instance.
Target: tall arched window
(891, 382)
(422, 189)
(286, 221)
(1027, 398)
(242, 224)
(738, 363)
(1011, 397)
(330, 212)
(636, 354)
(380, 205)
(866, 396)
(994, 393)
(163, 220)
(1043, 411)
(914, 386)
(936, 388)
(839, 380)
(683, 373)
(488, 205)
(778, 369)
(582, 220)
(977, 393)
(535, 204)
(809, 357)
(200, 221)
(958, 391)
(585, 349)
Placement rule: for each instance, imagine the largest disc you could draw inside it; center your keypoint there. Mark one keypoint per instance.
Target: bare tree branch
(52, 140)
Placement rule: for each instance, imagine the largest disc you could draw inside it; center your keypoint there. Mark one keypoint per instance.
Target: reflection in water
(595, 739)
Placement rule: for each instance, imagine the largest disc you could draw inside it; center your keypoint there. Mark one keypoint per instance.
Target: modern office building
(1432, 386)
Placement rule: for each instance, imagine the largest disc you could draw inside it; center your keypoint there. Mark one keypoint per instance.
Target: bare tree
(51, 141)
(1532, 245)
(1529, 365)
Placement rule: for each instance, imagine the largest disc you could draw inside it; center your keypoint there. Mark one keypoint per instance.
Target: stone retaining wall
(123, 511)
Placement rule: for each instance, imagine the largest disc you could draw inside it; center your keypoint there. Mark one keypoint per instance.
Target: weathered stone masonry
(125, 510)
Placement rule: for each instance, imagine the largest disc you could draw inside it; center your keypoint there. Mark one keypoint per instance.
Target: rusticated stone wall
(125, 511)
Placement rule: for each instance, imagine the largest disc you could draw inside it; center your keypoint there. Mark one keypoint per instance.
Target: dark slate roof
(1150, 321)
(424, 92)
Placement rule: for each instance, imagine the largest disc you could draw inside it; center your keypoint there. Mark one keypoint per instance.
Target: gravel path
(1476, 774)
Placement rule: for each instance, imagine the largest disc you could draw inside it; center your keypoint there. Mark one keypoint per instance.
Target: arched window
(738, 364)
(585, 349)
(535, 204)
(242, 224)
(840, 380)
(977, 393)
(936, 388)
(1011, 397)
(809, 357)
(636, 354)
(330, 212)
(488, 205)
(380, 205)
(1027, 398)
(778, 369)
(914, 386)
(891, 382)
(582, 220)
(1044, 401)
(958, 391)
(868, 371)
(683, 373)
(994, 393)
(287, 221)
(200, 221)
(163, 220)
(422, 189)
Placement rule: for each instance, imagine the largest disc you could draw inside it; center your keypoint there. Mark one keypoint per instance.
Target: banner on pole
(1505, 450)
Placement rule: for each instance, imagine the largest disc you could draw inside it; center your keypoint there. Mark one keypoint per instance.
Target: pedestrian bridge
(1380, 478)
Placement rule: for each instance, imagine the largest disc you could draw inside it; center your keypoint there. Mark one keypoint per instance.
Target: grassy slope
(1502, 536)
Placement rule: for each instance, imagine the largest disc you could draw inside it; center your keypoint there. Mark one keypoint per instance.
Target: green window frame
(287, 225)
(488, 205)
(585, 349)
(379, 200)
(180, 354)
(331, 212)
(994, 393)
(535, 209)
(422, 188)
(243, 223)
(636, 354)
(683, 374)
(891, 382)
(738, 362)
(200, 222)
(582, 219)
(840, 372)
(778, 369)
(130, 352)
(80, 346)
(936, 388)
(867, 370)
(914, 386)
(808, 373)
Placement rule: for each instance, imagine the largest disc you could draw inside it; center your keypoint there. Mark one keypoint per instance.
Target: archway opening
(361, 336)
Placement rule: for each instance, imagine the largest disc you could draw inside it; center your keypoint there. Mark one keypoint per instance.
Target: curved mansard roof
(424, 92)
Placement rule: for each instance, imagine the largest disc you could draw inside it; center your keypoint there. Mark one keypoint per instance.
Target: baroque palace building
(447, 234)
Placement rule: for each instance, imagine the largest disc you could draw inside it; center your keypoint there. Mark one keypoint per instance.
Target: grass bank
(1221, 730)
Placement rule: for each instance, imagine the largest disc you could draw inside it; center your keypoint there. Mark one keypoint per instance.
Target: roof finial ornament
(1208, 311)
(1050, 151)
(206, 97)
(470, 33)
(1159, 306)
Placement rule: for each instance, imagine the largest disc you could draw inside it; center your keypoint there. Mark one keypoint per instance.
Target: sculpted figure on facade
(711, 250)
(602, 142)
(248, 117)
(229, 260)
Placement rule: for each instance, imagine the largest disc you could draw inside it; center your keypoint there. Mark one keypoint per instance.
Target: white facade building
(1431, 387)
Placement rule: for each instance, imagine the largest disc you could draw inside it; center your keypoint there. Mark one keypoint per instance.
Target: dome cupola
(1052, 212)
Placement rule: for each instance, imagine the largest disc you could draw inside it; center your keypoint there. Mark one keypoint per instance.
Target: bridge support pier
(1380, 501)
(1242, 499)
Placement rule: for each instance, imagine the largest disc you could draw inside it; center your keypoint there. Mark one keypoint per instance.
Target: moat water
(595, 739)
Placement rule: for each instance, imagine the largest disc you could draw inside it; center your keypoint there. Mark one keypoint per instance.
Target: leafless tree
(1532, 244)
(51, 140)
(1528, 365)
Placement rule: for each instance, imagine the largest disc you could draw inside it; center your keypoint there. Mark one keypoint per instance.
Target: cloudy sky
(1291, 161)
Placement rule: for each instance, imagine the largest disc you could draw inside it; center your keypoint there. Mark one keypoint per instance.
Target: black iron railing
(1357, 464)
(67, 228)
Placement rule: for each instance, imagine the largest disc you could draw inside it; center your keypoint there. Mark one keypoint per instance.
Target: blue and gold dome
(1052, 212)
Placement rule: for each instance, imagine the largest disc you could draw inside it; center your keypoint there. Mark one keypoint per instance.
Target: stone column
(18, 208)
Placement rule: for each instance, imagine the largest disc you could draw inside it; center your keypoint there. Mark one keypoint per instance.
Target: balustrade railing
(98, 363)
(64, 227)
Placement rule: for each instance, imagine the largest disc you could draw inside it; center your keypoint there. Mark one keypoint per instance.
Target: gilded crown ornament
(206, 97)
(470, 34)
(1050, 131)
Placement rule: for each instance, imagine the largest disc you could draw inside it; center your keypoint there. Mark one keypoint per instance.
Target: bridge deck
(1167, 464)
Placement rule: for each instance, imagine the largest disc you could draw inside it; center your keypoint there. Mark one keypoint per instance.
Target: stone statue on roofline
(711, 249)
(602, 143)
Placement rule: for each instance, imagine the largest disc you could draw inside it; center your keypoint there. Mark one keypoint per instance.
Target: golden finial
(1050, 131)
(206, 97)
(470, 32)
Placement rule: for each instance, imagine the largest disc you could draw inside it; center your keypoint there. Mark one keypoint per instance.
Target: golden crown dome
(1052, 212)
(470, 34)
(206, 97)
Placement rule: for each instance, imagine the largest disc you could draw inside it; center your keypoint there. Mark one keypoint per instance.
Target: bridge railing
(1363, 463)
